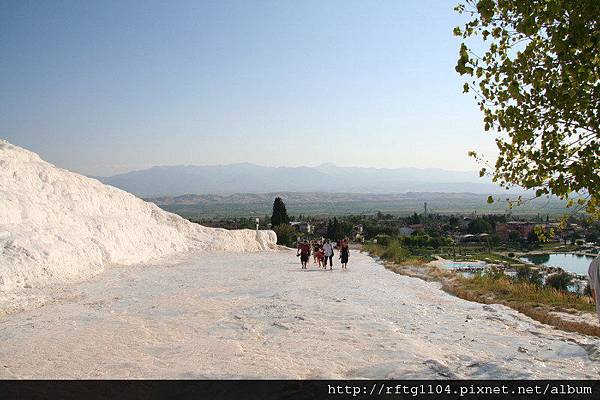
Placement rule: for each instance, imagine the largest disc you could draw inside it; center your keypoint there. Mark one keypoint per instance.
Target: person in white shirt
(594, 274)
(328, 251)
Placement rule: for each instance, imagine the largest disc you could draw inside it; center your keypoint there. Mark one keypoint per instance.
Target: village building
(302, 226)
(405, 231)
(522, 228)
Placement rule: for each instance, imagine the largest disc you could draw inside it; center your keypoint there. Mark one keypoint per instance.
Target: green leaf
(485, 9)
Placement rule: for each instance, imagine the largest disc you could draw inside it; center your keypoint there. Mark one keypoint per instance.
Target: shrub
(511, 254)
(536, 278)
(286, 234)
(528, 274)
(559, 281)
(435, 242)
(514, 237)
(383, 240)
(395, 252)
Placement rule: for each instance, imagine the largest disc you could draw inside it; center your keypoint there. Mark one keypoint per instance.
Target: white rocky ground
(58, 226)
(226, 315)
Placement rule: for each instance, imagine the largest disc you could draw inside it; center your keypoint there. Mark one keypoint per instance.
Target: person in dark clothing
(344, 253)
(304, 253)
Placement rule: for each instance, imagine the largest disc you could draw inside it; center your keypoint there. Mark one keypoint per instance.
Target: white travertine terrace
(58, 226)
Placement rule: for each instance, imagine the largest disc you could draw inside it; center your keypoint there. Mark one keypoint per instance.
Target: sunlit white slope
(58, 226)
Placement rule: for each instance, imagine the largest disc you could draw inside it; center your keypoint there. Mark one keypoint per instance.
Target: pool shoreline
(540, 252)
(571, 262)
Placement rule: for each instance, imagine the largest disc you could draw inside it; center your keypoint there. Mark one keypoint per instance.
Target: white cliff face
(58, 226)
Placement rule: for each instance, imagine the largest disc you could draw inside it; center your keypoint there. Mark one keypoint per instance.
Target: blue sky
(102, 87)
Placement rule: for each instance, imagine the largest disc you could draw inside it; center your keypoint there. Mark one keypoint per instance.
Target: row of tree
(286, 234)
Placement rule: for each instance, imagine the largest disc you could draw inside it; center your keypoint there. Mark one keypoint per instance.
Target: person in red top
(304, 253)
(320, 256)
(315, 251)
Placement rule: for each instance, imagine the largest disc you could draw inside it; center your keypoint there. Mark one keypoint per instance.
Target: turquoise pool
(578, 264)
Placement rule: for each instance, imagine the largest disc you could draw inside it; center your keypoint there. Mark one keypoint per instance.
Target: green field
(323, 204)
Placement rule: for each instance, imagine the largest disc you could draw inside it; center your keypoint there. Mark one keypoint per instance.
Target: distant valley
(248, 189)
(320, 203)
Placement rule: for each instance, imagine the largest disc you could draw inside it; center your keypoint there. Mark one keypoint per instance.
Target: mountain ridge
(251, 178)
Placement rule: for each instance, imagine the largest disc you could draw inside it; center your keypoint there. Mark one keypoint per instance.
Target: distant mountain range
(251, 178)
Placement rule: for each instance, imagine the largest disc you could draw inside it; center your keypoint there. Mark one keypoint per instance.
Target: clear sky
(103, 87)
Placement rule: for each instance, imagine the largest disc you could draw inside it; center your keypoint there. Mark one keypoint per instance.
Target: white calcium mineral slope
(239, 315)
(58, 226)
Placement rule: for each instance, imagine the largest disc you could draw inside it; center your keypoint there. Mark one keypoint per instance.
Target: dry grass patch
(540, 303)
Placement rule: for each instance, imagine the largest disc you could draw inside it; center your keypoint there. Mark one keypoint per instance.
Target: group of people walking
(323, 252)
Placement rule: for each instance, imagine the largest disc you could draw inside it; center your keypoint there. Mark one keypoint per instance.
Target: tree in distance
(279, 215)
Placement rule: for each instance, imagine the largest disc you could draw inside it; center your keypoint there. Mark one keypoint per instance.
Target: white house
(302, 226)
(405, 231)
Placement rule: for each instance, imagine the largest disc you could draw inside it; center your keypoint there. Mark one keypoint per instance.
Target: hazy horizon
(252, 178)
(322, 165)
(106, 88)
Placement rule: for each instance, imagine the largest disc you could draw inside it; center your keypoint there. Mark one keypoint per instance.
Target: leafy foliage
(514, 237)
(538, 84)
(395, 252)
(479, 225)
(532, 237)
(559, 280)
(286, 234)
(530, 275)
